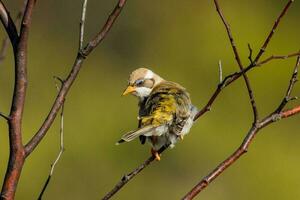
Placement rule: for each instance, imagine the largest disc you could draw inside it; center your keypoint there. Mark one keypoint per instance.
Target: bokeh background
(183, 42)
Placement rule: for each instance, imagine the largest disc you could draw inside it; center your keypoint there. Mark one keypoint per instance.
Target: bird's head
(141, 82)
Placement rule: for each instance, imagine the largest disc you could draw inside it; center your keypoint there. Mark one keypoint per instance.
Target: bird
(165, 110)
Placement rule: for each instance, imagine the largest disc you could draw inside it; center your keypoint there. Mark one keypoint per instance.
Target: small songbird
(165, 110)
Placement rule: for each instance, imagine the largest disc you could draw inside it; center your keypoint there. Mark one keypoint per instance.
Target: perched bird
(165, 110)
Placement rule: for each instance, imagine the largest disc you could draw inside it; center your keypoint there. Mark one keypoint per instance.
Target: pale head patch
(149, 74)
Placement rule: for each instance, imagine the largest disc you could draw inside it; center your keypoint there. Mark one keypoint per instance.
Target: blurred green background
(183, 42)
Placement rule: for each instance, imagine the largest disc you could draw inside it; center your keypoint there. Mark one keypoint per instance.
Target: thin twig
(274, 57)
(126, 178)
(81, 25)
(293, 80)
(277, 21)
(243, 148)
(5, 41)
(36, 139)
(61, 149)
(250, 54)
(239, 62)
(220, 72)
(4, 116)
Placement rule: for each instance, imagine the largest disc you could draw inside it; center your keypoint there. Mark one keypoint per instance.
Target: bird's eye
(139, 82)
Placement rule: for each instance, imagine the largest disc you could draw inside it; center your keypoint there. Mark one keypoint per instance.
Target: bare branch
(293, 80)
(17, 153)
(82, 23)
(126, 178)
(61, 149)
(243, 148)
(274, 57)
(237, 57)
(32, 144)
(264, 46)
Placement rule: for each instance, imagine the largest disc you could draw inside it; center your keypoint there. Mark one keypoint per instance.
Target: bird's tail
(134, 134)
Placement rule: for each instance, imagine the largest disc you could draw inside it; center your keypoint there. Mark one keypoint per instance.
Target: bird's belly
(162, 136)
(186, 128)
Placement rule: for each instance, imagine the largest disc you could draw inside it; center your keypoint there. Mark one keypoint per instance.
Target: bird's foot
(155, 154)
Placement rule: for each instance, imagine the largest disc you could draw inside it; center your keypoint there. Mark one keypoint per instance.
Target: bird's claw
(155, 154)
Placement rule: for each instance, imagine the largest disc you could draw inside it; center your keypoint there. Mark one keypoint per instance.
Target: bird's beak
(129, 90)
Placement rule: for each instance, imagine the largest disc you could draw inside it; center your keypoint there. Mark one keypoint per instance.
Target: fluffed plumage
(166, 112)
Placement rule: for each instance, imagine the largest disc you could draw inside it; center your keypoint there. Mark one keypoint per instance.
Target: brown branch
(243, 148)
(61, 149)
(36, 139)
(274, 57)
(257, 125)
(126, 178)
(277, 21)
(250, 54)
(5, 41)
(17, 153)
(293, 80)
(239, 62)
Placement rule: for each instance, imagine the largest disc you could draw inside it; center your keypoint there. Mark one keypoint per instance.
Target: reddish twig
(243, 148)
(17, 153)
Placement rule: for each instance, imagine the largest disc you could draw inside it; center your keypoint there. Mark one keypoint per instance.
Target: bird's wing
(182, 102)
(169, 103)
(183, 112)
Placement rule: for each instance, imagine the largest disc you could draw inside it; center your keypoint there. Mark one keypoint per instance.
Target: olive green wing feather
(182, 104)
